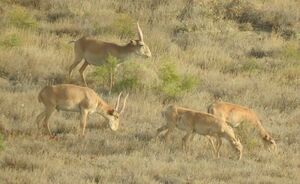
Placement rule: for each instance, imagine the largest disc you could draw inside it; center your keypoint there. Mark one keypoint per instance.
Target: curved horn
(141, 38)
(124, 104)
(118, 102)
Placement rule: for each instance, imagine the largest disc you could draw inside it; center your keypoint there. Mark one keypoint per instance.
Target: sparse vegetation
(10, 41)
(245, 52)
(21, 18)
(1, 142)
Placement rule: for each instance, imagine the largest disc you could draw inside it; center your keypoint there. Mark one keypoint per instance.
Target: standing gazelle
(95, 52)
(68, 97)
(202, 123)
(236, 114)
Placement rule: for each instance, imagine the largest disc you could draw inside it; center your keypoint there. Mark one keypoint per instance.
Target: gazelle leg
(48, 113)
(39, 118)
(81, 71)
(84, 114)
(185, 140)
(167, 134)
(161, 129)
(219, 144)
(77, 60)
(211, 141)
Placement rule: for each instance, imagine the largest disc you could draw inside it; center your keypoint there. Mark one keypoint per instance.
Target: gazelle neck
(125, 51)
(104, 108)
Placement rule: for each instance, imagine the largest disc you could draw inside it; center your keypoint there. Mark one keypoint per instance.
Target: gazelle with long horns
(96, 52)
(68, 97)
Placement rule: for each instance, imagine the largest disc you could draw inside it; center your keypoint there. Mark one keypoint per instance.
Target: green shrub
(123, 26)
(129, 78)
(173, 85)
(21, 18)
(102, 74)
(11, 41)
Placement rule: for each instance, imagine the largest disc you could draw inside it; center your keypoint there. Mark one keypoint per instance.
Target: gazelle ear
(133, 42)
(111, 112)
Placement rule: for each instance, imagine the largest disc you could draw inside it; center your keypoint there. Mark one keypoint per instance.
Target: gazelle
(68, 97)
(95, 52)
(236, 114)
(202, 123)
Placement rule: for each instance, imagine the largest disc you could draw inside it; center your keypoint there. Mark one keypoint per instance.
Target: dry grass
(227, 51)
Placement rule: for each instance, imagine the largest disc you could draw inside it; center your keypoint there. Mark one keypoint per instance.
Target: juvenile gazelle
(68, 97)
(202, 123)
(95, 52)
(236, 114)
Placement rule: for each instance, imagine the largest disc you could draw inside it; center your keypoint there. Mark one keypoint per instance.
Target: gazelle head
(139, 45)
(269, 142)
(113, 115)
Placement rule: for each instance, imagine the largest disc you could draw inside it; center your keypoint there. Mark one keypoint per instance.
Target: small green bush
(129, 78)
(21, 18)
(11, 41)
(102, 73)
(173, 85)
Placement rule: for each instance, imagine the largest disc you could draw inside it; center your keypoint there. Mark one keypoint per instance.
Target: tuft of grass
(291, 52)
(1, 142)
(245, 66)
(37, 4)
(59, 13)
(260, 53)
(123, 26)
(21, 18)
(248, 136)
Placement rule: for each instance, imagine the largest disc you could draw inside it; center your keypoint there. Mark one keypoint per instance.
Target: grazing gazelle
(68, 97)
(95, 52)
(202, 123)
(236, 114)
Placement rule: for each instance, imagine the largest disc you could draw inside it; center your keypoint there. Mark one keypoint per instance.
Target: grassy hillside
(241, 51)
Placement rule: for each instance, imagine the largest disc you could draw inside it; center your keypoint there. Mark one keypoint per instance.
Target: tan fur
(235, 115)
(201, 123)
(68, 97)
(95, 52)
